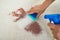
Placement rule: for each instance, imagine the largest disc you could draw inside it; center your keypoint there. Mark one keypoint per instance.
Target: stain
(34, 28)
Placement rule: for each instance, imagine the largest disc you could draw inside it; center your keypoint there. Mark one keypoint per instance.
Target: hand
(55, 30)
(36, 9)
(41, 8)
(32, 10)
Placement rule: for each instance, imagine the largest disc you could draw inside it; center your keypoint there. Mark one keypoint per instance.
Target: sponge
(33, 16)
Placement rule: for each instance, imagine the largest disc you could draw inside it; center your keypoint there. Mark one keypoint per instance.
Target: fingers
(53, 28)
(54, 25)
(51, 25)
(30, 11)
(58, 35)
(36, 9)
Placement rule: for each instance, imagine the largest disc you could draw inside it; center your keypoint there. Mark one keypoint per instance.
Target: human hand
(41, 8)
(23, 12)
(38, 9)
(55, 30)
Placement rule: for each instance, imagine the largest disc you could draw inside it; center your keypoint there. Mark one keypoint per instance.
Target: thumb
(30, 12)
(51, 25)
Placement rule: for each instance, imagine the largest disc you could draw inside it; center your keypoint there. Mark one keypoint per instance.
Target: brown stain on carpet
(34, 28)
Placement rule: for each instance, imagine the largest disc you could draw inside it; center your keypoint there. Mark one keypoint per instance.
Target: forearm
(46, 4)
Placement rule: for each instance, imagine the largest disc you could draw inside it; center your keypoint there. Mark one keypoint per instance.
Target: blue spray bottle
(53, 17)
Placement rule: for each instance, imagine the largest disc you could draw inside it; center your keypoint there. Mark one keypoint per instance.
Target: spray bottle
(53, 17)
